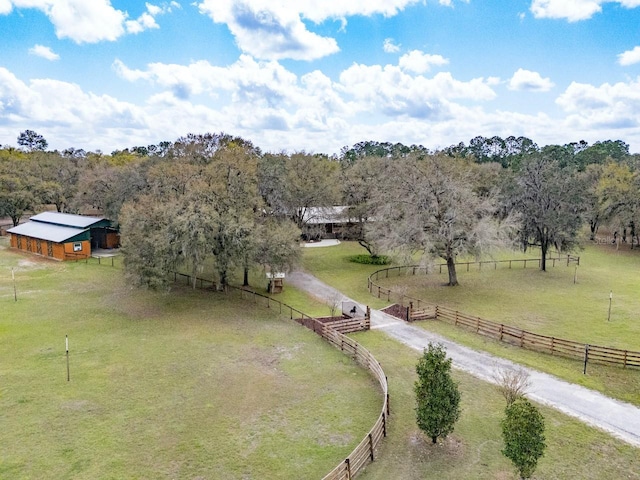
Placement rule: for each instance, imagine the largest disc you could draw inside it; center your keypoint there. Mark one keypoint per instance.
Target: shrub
(370, 259)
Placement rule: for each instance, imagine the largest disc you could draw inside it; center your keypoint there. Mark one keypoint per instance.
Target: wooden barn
(63, 236)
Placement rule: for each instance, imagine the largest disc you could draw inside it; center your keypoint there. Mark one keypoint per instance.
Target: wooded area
(219, 200)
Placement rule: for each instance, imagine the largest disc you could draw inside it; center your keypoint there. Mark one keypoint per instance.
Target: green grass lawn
(185, 384)
(332, 266)
(548, 303)
(574, 450)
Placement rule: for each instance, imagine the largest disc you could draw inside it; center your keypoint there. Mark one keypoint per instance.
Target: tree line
(219, 199)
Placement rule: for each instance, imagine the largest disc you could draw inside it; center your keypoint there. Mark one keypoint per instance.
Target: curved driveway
(618, 418)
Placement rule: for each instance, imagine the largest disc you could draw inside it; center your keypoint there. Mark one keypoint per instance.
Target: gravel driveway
(618, 418)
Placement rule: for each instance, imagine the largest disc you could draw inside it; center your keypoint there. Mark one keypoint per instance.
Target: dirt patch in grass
(451, 446)
(397, 311)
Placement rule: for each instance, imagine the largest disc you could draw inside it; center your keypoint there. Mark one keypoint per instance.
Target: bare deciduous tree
(335, 302)
(430, 205)
(512, 383)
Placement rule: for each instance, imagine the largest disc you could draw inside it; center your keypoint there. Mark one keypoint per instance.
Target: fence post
(371, 447)
(586, 358)
(384, 424)
(378, 291)
(347, 461)
(501, 331)
(388, 402)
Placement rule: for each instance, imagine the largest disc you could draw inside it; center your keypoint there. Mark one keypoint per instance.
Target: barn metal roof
(46, 231)
(66, 219)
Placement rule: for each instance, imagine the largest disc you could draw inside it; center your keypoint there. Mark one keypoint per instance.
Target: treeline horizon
(216, 197)
(507, 151)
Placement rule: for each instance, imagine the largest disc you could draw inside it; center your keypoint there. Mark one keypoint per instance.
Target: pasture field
(184, 384)
(548, 303)
(472, 451)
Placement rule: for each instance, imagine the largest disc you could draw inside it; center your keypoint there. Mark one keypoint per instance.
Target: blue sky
(317, 75)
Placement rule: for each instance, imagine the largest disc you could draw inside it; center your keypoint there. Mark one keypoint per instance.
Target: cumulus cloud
(529, 81)
(277, 109)
(44, 52)
(89, 22)
(390, 46)
(620, 97)
(393, 92)
(246, 79)
(574, 10)
(605, 111)
(629, 57)
(418, 62)
(276, 30)
(5, 7)
(64, 110)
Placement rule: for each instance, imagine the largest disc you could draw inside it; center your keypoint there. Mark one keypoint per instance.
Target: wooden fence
(505, 333)
(366, 450)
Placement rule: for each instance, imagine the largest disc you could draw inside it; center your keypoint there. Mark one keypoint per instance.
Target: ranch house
(331, 222)
(63, 236)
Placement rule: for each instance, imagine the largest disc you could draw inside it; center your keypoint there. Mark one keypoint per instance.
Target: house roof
(66, 219)
(47, 231)
(57, 227)
(320, 215)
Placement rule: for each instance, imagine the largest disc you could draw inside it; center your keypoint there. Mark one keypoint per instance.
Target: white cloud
(63, 110)
(620, 97)
(418, 62)
(44, 52)
(629, 57)
(276, 109)
(392, 92)
(389, 46)
(147, 20)
(529, 81)
(269, 31)
(5, 7)
(89, 21)
(574, 10)
(275, 30)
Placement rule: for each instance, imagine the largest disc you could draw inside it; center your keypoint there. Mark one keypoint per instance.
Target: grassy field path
(618, 418)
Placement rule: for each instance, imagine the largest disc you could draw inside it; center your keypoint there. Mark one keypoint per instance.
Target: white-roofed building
(63, 236)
